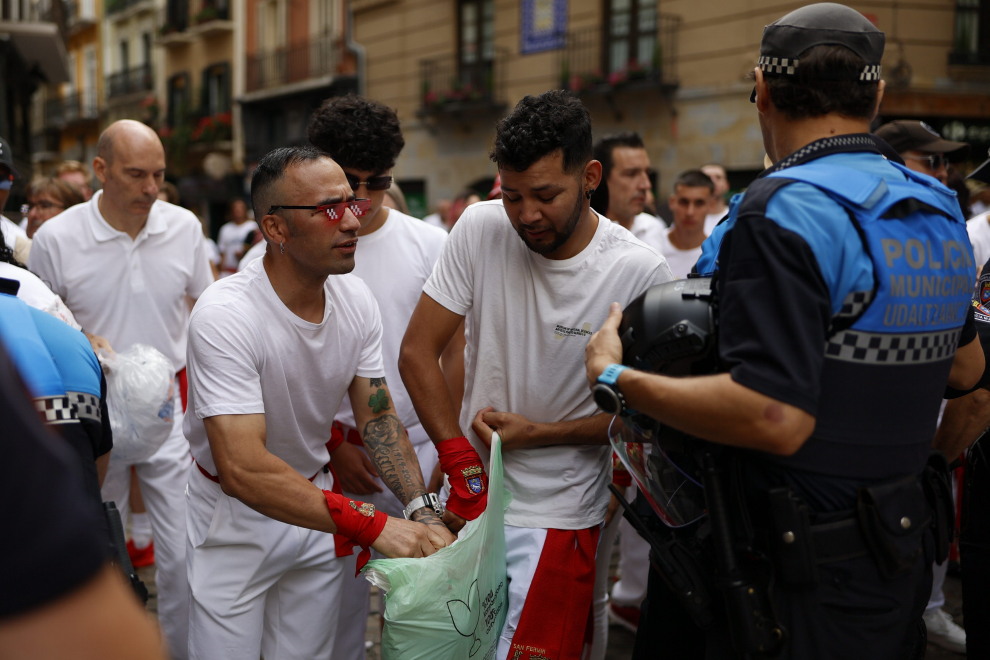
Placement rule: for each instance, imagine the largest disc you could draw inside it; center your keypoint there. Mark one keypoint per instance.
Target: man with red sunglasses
(396, 256)
(272, 352)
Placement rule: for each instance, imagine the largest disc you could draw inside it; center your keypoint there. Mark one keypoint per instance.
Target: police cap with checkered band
(824, 23)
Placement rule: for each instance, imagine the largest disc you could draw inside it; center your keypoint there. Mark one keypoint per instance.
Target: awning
(38, 43)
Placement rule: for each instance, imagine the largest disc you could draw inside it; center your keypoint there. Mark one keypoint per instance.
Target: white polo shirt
(129, 291)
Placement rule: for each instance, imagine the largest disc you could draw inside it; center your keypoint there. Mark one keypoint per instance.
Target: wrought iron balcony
(313, 58)
(449, 85)
(114, 6)
(593, 62)
(54, 114)
(75, 18)
(139, 79)
(80, 107)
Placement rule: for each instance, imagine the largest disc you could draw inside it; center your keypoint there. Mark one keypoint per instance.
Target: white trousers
(258, 587)
(163, 481)
(634, 567)
(523, 547)
(600, 603)
(352, 626)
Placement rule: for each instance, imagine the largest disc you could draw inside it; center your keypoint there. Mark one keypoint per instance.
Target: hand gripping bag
(140, 398)
(452, 604)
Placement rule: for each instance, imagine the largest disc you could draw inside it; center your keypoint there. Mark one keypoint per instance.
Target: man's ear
(592, 175)
(762, 92)
(100, 169)
(275, 228)
(876, 109)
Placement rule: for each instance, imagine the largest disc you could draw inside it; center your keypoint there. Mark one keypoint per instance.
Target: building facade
(675, 71)
(298, 54)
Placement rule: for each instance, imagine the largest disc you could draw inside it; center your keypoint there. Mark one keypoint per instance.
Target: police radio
(672, 330)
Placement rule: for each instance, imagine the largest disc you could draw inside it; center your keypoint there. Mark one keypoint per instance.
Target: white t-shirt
(978, 228)
(680, 261)
(649, 229)
(395, 262)
(713, 219)
(129, 291)
(249, 354)
(257, 250)
(213, 252)
(435, 220)
(10, 231)
(36, 293)
(528, 319)
(231, 239)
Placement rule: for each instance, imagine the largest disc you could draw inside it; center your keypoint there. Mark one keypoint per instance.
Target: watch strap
(429, 500)
(611, 374)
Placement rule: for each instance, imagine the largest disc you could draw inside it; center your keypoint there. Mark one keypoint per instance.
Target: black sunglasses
(935, 161)
(334, 211)
(381, 182)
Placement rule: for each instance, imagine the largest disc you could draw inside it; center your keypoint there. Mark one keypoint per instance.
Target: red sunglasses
(334, 211)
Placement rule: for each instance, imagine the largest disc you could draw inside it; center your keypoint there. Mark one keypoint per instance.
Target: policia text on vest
(914, 255)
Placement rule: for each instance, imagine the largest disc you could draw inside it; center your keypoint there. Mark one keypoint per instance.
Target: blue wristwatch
(606, 393)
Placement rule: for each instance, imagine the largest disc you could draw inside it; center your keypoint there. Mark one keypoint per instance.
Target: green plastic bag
(453, 603)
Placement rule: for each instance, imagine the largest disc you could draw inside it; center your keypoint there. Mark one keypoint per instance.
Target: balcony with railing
(54, 114)
(80, 107)
(594, 62)
(448, 85)
(79, 15)
(131, 81)
(315, 58)
(118, 6)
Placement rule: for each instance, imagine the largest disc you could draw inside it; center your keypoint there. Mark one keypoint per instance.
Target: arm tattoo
(378, 402)
(393, 456)
(378, 382)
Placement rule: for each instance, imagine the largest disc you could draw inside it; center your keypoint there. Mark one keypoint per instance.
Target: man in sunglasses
(922, 149)
(272, 352)
(396, 256)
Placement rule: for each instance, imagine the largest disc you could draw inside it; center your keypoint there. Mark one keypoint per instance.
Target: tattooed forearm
(394, 457)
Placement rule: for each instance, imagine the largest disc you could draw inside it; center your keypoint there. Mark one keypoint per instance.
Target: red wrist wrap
(468, 479)
(620, 475)
(358, 523)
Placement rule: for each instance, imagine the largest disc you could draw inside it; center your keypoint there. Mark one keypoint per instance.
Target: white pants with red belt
(163, 481)
(258, 587)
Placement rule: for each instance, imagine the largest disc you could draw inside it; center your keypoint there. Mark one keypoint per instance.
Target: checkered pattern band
(870, 73)
(875, 348)
(855, 304)
(787, 66)
(781, 65)
(827, 143)
(86, 405)
(55, 410)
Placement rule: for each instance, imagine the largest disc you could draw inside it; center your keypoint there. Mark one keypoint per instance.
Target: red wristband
(620, 475)
(358, 523)
(467, 476)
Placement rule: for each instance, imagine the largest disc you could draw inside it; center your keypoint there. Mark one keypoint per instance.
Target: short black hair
(825, 82)
(357, 133)
(694, 179)
(542, 125)
(603, 154)
(271, 169)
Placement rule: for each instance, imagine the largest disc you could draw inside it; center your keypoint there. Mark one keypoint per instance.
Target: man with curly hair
(527, 273)
(395, 256)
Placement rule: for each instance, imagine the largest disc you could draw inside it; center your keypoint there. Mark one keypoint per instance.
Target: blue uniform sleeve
(774, 311)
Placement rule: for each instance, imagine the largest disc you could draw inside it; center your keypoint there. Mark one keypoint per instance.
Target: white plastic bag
(453, 603)
(140, 396)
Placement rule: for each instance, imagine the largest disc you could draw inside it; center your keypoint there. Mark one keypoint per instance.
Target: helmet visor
(665, 477)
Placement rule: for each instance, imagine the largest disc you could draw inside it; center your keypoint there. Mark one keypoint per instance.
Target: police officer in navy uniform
(843, 284)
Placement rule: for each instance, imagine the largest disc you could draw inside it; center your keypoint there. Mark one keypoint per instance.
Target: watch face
(606, 398)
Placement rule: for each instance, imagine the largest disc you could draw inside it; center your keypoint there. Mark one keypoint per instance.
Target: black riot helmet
(669, 330)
